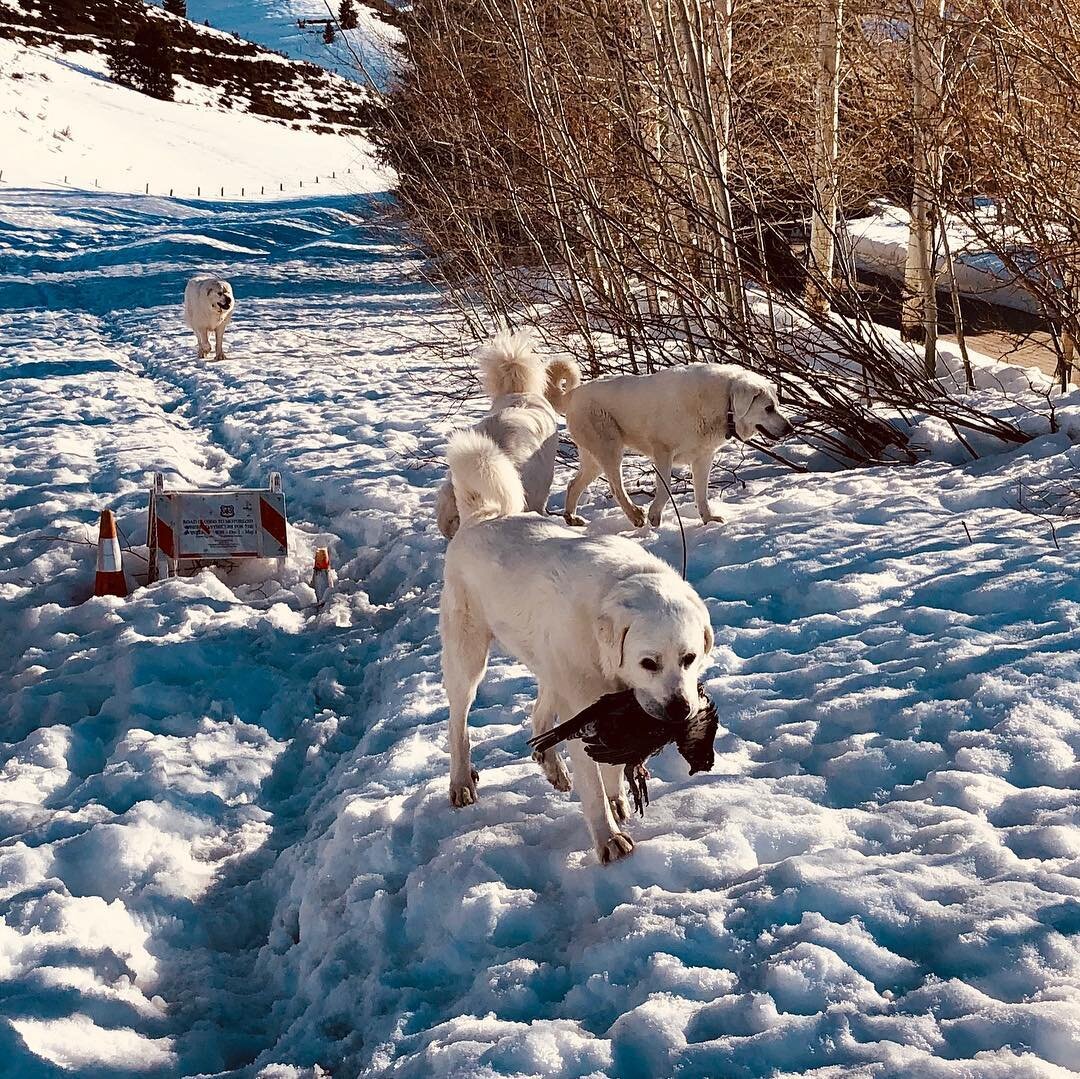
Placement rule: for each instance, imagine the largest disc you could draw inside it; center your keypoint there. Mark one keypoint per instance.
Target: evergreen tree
(329, 36)
(347, 17)
(176, 7)
(146, 62)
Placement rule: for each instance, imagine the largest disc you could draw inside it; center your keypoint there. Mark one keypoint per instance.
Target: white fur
(209, 307)
(526, 393)
(677, 416)
(486, 483)
(581, 612)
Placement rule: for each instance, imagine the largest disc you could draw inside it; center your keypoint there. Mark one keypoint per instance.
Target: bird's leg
(636, 775)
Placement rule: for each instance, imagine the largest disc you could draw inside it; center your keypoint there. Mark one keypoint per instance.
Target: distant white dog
(527, 397)
(587, 615)
(209, 305)
(681, 415)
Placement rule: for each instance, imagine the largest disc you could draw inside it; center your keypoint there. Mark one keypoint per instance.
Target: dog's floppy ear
(611, 630)
(743, 395)
(616, 614)
(709, 640)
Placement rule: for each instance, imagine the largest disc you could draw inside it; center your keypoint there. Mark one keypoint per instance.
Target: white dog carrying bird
(588, 615)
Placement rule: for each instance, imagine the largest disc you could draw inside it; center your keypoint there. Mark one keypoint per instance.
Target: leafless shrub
(627, 177)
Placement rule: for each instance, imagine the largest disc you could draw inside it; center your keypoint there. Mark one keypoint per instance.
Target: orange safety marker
(322, 578)
(109, 580)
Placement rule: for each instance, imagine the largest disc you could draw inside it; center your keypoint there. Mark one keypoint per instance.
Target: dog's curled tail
(563, 377)
(486, 483)
(509, 363)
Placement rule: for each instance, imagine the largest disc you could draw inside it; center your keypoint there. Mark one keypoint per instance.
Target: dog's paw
(620, 808)
(708, 516)
(554, 769)
(574, 520)
(636, 515)
(620, 845)
(219, 356)
(464, 794)
(654, 517)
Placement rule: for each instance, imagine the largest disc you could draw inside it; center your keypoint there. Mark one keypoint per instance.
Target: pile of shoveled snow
(226, 836)
(62, 123)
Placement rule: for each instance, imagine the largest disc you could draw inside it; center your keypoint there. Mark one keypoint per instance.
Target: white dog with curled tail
(588, 615)
(208, 308)
(528, 395)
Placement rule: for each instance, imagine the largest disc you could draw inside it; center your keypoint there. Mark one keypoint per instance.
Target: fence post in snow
(262, 190)
(147, 189)
(223, 192)
(198, 191)
(241, 192)
(281, 187)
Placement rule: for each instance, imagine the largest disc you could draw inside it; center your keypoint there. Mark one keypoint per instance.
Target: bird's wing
(632, 739)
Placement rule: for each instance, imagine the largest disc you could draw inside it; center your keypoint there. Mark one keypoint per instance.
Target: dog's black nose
(226, 301)
(678, 708)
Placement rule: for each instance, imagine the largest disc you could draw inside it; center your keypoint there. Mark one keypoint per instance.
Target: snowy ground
(226, 836)
(66, 125)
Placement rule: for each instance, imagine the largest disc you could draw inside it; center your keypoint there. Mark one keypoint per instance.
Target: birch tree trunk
(919, 316)
(826, 193)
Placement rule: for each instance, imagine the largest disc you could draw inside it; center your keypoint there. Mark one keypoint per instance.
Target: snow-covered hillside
(68, 125)
(274, 23)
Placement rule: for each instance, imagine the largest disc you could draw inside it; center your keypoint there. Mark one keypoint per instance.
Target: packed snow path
(226, 839)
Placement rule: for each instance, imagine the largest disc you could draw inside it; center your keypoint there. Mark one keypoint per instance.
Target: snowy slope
(61, 118)
(226, 831)
(274, 23)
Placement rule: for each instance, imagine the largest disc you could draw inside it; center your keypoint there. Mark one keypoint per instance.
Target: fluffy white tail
(486, 483)
(563, 377)
(509, 364)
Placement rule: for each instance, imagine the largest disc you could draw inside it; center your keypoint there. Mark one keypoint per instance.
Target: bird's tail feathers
(541, 743)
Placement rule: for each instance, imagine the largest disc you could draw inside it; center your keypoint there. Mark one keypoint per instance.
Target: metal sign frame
(203, 527)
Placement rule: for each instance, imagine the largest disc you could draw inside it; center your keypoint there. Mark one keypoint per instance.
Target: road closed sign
(209, 525)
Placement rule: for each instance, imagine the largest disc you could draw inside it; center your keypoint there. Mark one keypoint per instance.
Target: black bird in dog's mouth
(617, 730)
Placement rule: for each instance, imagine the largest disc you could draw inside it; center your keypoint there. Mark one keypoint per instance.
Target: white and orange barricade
(109, 579)
(202, 526)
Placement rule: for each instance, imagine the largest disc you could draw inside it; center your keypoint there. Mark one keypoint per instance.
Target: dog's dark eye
(650, 665)
(688, 659)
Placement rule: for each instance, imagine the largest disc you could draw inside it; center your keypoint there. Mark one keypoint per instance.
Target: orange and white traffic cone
(322, 579)
(110, 580)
